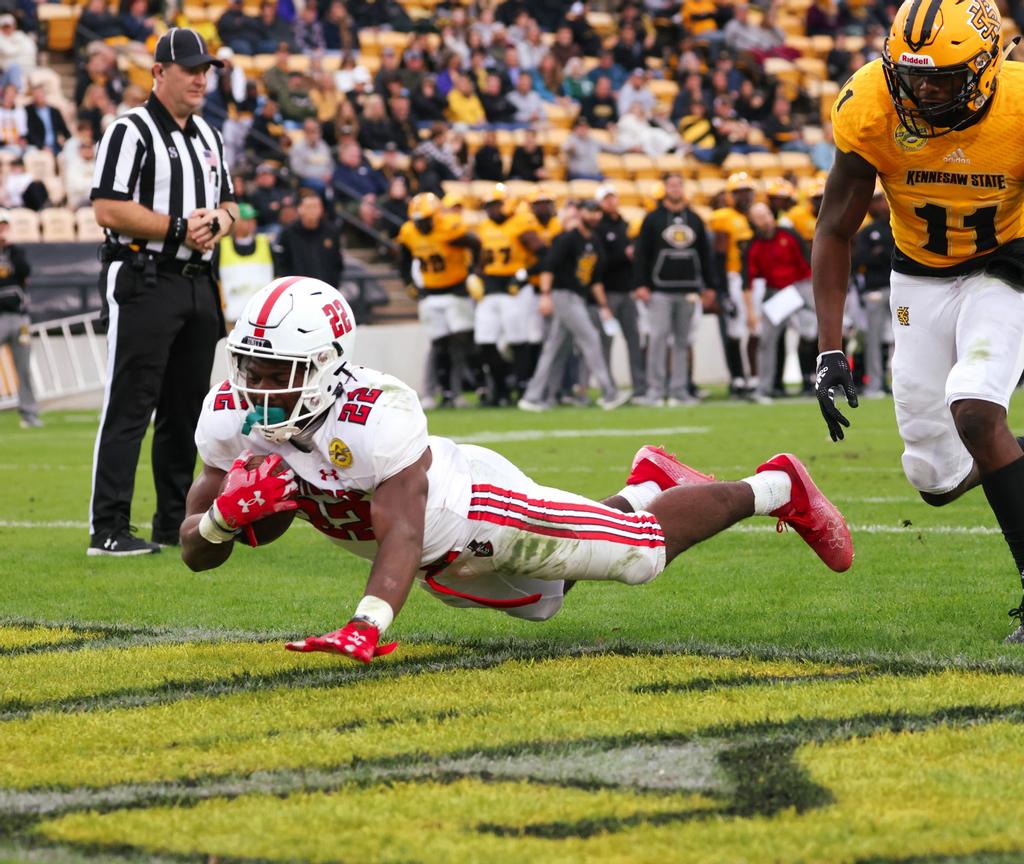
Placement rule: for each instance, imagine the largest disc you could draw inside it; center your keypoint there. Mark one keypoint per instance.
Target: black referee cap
(184, 47)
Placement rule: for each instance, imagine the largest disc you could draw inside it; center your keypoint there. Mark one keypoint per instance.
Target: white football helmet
(302, 321)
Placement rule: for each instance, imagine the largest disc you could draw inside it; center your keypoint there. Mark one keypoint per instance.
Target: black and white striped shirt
(145, 156)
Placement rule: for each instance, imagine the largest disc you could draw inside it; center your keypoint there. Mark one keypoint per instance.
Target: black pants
(160, 345)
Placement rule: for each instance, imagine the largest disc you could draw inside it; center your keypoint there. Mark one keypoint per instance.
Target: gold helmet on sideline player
(941, 60)
(426, 205)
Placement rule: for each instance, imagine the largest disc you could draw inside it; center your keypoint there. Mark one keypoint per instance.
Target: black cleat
(1017, 636)
(120, 544)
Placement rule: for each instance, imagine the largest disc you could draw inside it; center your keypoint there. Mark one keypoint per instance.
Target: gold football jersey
(729, 221)
(954, 197)
(503, 254)
(802, 220)
(547, 233)
(441, 264)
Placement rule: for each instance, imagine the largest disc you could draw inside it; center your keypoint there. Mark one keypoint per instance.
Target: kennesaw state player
(346, 448)
(938, 120)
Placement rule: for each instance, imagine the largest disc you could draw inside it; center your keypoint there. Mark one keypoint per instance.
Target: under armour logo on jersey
(958, 156)
(324, 474)
(255, 501)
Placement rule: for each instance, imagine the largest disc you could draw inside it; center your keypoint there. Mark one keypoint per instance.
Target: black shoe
(120, 544)
(166, 538)
(1017, 636)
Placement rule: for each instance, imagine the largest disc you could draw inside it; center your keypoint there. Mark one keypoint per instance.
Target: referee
(163, 193)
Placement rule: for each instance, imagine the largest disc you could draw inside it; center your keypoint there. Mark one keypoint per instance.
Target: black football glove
(834, 374)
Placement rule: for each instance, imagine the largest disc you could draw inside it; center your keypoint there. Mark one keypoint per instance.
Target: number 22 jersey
(374, 430)
(952, 198)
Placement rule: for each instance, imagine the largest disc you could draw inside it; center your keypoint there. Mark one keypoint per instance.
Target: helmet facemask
(313, 380)
(936, 120)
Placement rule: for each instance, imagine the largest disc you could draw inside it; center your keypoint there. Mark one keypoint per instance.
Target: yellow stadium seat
(40, 164)
(640, 166)
(24, 225)
(88, 229)
(57, 225)
(763, 163)
(610, 165)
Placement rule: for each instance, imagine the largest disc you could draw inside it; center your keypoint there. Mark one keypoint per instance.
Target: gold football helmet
(941, 60)
(424, 206)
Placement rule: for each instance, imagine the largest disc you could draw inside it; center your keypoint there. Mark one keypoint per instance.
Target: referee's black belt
(139, 259)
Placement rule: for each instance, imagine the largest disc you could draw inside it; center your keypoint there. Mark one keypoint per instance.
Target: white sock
(772, 489)
(641, 495)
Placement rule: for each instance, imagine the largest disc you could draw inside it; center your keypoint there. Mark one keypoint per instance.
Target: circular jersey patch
(907, 139)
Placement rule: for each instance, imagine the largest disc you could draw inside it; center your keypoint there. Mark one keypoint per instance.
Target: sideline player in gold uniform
(508, 239)
(732, 233)
(441, 247)
(951, 161)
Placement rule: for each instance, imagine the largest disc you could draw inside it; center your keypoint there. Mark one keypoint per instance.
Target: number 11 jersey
(953, 198)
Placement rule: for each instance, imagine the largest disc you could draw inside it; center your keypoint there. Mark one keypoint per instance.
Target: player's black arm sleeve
(469, 241)
(848, 191)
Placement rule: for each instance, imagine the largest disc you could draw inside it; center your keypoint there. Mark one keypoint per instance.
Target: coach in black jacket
(311, 245)
(619, 282)
(673, 263)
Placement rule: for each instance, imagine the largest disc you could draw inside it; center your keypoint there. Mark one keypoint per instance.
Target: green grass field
(749, 705)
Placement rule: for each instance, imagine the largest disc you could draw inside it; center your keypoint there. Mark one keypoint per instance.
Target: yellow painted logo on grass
(445, 754)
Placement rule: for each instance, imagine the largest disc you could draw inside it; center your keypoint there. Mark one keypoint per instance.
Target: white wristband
(375, 611)
(211, 531)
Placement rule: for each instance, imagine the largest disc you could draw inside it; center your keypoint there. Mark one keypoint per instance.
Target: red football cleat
(653, 463)
(816, 519)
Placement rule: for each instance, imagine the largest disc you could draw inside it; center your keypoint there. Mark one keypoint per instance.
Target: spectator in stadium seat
(240, 32)
(83, 136)
(265, 139)
(311, 246)
(487, 162)
(46, 128)
(530, 108)
(485, 25)
(393, 164)
(77, 173)
(451, 68)
(274, 30)
(635, 92)
(267, 196)
(100, 68)
(352, 78)
(336, 25)
(607, 68)
(354, 178)
(528, 159)
(629, 52)
(136, 22)
(375, 128)
(510, 68)
(97, 108)
(413, 69)
(396, 205)
(547, 80)
(17, 52)
(781, 129)
(389, 71)
(691, 92)
(307, 31)
(445, 149)
(406, 134)
(822, 19)
(751, 104)
(698, 133)
(225, 89)
(310, 158)
(823, 152)
(565, 48)
(381, 13)
(582, 33)
(464, 106)
(427, 103)
(21, 189)
(837, 63)
(13, 121)
(531, 48)
(96, 22)
(601, 108)
(580, 151)
(275, 79)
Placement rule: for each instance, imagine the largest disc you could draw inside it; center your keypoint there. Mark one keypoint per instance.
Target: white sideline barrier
(69, 371)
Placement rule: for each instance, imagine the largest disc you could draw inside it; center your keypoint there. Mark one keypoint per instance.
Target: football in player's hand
(269, 528)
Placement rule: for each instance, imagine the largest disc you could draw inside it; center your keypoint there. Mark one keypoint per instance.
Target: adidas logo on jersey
(958, 156)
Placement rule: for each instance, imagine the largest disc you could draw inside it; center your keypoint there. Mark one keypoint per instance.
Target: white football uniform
(491, 535)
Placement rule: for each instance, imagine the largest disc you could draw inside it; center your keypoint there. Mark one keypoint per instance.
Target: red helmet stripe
(264, 315)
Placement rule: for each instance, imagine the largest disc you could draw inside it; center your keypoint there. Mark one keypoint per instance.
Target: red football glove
(357, 640)
(249, 495)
